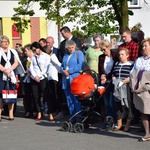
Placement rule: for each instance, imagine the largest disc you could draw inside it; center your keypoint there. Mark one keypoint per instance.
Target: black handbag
(9, 96)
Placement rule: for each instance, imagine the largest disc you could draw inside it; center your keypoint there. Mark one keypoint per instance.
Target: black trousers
(54, 103)
(29, 103)
(39, 89)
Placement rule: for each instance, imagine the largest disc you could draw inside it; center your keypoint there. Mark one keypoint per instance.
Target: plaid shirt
(133, 50)
(101, 64)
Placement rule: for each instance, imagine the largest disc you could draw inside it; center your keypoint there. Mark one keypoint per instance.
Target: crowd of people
(46, 72)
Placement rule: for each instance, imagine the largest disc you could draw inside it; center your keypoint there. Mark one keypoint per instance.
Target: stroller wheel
(109, 123)
(71, 126)
(66, 126)
(78, 127)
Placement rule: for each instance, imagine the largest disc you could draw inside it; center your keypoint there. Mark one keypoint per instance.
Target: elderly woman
(9, 60)
(122, 93)
(93, 53)
(105, 67)
(73, 62)
(140, 84)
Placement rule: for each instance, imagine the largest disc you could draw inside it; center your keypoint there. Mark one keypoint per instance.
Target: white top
(53, 68)
(43, 61)
(108, 64)
(142, 63)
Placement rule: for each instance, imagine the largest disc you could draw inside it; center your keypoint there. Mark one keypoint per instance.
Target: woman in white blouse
(140, 84)
(38, 70)
(54, 105)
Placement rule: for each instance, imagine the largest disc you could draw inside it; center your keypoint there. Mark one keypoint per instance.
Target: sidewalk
(28, 134)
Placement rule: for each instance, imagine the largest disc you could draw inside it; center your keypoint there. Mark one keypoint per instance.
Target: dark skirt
(124, 112)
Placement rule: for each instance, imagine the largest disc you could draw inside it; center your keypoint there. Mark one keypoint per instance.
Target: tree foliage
(89, 16)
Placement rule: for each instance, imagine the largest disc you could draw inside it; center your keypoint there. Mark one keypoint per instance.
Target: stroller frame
(83, 118)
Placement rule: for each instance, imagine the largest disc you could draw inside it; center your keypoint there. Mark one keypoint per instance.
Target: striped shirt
(122, 70)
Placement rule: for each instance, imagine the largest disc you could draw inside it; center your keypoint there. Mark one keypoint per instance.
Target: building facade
(41, 28)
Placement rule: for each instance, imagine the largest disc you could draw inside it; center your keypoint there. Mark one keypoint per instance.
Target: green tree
(108, 17)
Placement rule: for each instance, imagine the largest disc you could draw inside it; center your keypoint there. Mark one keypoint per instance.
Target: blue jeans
(109, 104)
(73, 104)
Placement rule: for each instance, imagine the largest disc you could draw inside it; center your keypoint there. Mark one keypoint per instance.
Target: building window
(15, 33)
(134, 3)
(0, 26)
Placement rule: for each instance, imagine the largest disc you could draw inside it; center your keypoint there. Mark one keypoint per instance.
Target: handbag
(9, 96)
(40, 68)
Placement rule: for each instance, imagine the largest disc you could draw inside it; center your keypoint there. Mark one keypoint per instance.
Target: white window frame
(131, 4)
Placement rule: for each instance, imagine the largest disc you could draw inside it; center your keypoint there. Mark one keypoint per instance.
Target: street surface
(28, 134)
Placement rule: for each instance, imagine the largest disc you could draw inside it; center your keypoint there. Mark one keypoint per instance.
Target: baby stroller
(88, 92)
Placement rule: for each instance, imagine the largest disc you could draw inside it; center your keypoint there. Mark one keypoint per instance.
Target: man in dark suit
(42, 42)
(50, 43)
(67, 35)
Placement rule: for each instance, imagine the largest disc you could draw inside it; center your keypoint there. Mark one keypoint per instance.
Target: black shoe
(27, 115)
(11, 119)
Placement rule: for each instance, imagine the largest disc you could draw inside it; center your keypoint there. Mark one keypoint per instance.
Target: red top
(133, 49)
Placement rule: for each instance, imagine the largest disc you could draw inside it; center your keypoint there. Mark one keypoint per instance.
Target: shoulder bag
(9, 96)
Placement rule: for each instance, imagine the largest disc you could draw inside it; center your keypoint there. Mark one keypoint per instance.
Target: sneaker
(59, 115)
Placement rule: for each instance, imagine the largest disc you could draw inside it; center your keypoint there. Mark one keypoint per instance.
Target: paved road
(27, 134)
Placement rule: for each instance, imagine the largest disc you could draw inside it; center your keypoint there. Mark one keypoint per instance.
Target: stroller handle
(91, 72)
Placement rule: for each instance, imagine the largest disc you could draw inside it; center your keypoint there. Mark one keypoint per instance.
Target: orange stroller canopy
(82, 85)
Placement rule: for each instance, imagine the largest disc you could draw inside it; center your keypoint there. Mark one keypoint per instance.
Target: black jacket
(62, 50)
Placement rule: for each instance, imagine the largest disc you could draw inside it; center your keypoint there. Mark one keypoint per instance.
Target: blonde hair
(146, 40)
(124, 49)
(105, 43)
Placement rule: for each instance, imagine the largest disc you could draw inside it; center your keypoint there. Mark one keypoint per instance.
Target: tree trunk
(124, 13)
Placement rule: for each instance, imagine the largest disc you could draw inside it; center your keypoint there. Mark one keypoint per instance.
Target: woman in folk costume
(10, 65)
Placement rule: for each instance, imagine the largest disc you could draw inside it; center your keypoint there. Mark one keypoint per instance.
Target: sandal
(142, 139)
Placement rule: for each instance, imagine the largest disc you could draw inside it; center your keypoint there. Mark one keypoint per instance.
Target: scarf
(8, 65)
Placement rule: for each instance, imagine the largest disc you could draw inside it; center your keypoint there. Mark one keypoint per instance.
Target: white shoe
(59, 115)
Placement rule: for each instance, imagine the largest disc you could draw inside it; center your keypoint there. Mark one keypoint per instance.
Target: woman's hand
(126, 80)
(66, 73)
(103, 79)
(37, 79)
(27, 72)
(7, 71)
